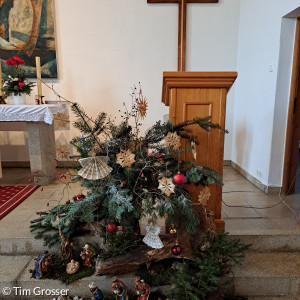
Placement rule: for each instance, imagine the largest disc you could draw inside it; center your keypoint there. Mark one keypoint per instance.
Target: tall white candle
(38, 75)
(0, 80)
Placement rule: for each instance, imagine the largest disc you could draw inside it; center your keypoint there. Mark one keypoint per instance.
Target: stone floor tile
(12, 266)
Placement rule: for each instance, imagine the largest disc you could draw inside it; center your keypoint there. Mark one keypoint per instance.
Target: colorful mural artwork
(27, 31)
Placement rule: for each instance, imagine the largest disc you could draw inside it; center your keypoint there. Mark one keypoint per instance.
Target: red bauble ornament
(111, 227)
(78, 197)
(176, 250)
(179, 178)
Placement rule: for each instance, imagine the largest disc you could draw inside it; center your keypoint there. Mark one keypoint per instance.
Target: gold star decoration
(204, 196)
(166, 186)
(172, 139)
(194, 151)
(125, 158)
(62, 151)
(61, 120)
(142, 107)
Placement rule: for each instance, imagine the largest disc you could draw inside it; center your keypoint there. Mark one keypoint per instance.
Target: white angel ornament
(151, 238)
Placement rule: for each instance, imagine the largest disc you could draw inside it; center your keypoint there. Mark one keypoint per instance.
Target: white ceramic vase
(19, 99)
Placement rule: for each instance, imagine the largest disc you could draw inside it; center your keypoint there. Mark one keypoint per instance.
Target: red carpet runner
(12, 196)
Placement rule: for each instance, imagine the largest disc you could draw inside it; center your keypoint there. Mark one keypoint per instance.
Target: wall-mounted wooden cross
(182, 26)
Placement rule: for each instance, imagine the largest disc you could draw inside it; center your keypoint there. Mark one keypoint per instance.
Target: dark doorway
(291, 157)
(297, 186)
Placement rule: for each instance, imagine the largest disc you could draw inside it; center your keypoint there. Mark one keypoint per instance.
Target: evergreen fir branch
(203, 175)
(204, 123)
(198, 278)
(177, 153)
(119, 202)
(83, 121)
(100, 123)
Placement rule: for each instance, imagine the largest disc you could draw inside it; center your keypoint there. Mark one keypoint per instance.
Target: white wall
(212, 33)
(286, 54)
(104, 47)
(254, 107)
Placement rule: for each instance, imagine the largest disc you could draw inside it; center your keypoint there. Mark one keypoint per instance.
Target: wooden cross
(182, 26)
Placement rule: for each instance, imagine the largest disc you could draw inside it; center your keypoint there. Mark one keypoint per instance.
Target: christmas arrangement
(15, 82)
(137, 212)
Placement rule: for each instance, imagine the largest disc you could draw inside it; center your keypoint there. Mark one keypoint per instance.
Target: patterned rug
(12, 196)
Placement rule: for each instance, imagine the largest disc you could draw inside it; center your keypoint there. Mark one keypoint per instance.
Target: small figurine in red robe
(119, 289)
(87, 255)
(142, 289)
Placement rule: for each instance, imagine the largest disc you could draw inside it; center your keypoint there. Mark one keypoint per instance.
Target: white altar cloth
(30, 113)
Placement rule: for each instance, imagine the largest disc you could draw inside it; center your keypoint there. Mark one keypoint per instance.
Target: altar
(37, 120)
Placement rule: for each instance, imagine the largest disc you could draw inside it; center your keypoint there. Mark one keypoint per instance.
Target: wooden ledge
(195, 80)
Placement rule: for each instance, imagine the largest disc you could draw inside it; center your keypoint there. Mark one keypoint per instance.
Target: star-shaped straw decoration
(62, 151)
(125, 158)
(166, 186)
(142, 107)
(172, 139)
(61, 120)
(204, 196)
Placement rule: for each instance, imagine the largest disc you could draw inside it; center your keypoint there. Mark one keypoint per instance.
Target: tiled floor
(244, 200)
(16, 223)
(244, 206)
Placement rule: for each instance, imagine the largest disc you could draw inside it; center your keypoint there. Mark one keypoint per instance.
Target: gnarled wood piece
(131, 261)
(143, 254)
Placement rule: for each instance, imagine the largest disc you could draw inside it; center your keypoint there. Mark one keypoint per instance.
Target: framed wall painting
(27, 30)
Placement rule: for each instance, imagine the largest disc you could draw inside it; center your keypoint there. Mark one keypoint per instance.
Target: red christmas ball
(111, 227)
(179, 178)
(78, 197)
(176, 250)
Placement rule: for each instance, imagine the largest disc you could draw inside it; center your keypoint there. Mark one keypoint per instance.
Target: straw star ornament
(172, 139)
(166, 186)
(125, 158)
(204, 196)
(142, 107)
(62, 151)
(61, 120)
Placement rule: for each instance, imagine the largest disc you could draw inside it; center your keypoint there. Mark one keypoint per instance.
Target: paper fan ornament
(194, 151)
(172, 139)
(151, 238)
(204, 196)
(125, 158)
(94, 168)
(166, 186)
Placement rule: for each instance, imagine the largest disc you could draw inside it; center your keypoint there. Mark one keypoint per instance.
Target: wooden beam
(181, 35)
(182, 26)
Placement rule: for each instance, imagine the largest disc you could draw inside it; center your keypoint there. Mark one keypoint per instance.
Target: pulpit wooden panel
(201, 94)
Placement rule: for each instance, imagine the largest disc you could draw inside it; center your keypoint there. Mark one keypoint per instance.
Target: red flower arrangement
(15, 83)
(15, 61)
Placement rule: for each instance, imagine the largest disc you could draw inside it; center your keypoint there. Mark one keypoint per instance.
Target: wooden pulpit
(201, 94)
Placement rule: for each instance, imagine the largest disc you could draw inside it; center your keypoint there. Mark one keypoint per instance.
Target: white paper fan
(94, 168)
